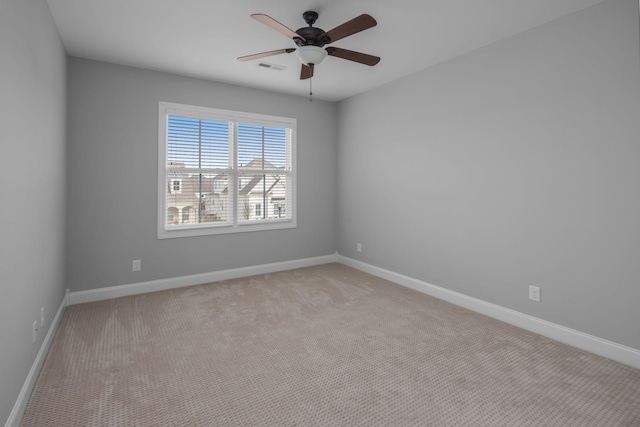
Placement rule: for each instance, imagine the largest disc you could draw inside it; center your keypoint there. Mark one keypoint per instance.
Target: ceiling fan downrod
(310, 17)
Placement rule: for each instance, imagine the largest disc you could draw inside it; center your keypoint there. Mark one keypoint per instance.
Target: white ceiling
(203, 38)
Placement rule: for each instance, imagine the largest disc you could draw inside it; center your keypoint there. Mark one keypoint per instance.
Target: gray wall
(517, 164)
(112, 178)
(32, 136)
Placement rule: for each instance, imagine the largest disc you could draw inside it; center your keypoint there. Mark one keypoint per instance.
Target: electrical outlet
(135, 265)
(534, 293)
(42, 317)
(34, 332)
(359, 247)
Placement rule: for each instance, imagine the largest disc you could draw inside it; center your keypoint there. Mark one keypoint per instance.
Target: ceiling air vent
(271, 66)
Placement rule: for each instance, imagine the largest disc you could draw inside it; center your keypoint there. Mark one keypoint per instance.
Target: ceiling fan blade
(356, 25)
(265, 54)
(351, 55)
(306, 72)
(270, 22)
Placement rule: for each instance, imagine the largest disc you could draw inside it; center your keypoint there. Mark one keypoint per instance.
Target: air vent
(271, 66)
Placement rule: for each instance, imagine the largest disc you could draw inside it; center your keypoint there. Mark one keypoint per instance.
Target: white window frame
(165, 109)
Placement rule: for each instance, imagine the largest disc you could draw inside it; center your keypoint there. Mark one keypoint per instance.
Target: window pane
(203, 199)
(197, 143)
(262, 147)
(258, 194)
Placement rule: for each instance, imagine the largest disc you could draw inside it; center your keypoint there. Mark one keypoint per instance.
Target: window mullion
(200, 174)
(264, 181)
(233, 176)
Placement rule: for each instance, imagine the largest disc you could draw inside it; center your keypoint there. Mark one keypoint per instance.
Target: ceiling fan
(311, 40)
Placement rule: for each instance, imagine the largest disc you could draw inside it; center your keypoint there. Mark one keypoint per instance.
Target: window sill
(172, 233)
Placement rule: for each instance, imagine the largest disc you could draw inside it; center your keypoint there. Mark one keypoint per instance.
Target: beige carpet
(319, 346)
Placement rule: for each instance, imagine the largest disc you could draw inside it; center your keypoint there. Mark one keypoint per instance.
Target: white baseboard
(15, 417)
(80, 297)
(611, 350)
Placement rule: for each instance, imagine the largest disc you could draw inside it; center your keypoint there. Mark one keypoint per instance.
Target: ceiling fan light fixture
(311, 55)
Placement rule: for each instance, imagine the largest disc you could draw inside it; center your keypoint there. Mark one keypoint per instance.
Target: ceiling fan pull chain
(310, 91)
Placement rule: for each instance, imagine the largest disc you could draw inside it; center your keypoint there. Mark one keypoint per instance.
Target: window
(172, 213)
(175, 186)
(278, 210)
(222, 169)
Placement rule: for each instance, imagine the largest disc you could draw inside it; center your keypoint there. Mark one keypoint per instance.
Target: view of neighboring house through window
(278, 209)
(220, 170)
(176, 186)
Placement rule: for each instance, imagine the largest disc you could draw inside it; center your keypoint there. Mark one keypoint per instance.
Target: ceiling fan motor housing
(310, 36)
